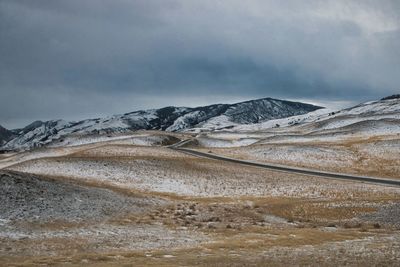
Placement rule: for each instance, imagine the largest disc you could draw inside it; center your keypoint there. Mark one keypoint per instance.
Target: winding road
(282, 168)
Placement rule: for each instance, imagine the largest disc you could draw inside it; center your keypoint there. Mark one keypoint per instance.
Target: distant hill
(376, 117)
(171, 118)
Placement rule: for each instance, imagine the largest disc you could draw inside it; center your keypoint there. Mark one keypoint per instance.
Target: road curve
(332, 175)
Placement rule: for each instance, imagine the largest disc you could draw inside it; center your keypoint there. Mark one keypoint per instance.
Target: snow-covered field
(141, 139)
(368, 156)
(217, 142)
(164, 171)
(74, 144)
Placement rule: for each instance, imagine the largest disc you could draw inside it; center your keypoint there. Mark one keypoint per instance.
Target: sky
(77, 59)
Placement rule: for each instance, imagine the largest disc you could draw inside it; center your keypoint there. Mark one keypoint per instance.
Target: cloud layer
(73, 59)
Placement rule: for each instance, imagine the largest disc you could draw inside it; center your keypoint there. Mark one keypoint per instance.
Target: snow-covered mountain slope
(386, 111)
(5, 135)
(252, 113)
(374, 120)
(169, 118)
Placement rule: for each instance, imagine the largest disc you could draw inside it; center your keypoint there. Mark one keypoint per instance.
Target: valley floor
(121, 203)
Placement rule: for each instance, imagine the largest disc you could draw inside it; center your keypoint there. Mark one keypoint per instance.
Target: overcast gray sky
(75, 59)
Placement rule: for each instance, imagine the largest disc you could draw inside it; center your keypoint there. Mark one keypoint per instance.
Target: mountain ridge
(168, 118)
(387, 108)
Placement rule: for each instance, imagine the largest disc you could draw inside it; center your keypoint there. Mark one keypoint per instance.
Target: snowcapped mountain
(169, 118)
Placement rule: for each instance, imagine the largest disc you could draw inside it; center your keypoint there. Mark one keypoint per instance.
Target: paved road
(375, 180)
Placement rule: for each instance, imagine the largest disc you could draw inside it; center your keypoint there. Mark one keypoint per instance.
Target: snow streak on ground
(172, 172)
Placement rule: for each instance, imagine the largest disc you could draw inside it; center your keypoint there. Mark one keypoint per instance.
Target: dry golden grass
(237, 245)
(361, 162)
(238, 249)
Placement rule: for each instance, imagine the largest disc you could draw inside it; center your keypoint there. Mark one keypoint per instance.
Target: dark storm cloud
(73, 59)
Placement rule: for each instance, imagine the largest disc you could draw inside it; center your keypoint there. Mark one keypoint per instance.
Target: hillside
(5, 135)
(169, 118)
(363, 139)
(383, 112)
